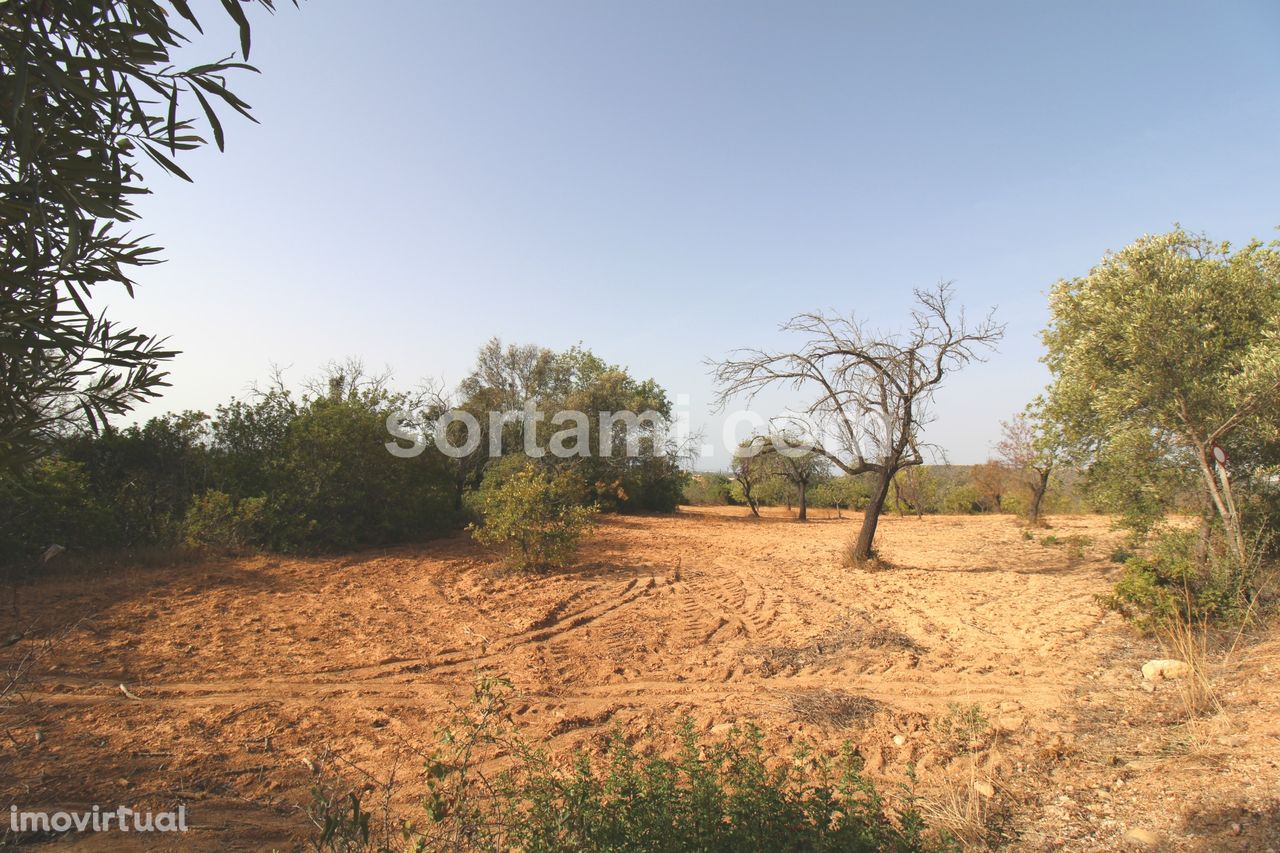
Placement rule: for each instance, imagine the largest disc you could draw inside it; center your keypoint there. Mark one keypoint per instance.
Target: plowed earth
(241, 672)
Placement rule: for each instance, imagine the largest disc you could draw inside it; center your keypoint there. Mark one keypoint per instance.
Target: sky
(666, 181)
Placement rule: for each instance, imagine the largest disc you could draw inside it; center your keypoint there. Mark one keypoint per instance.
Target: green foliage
(963, 728)
(917, 490)
(962, 499)
(88, 89)
(313, 475)
(49, 503)
(506, 378)
(335, 487)
(216, 522)
(343, 825)
(535, 516)
(1164, 349)
(146, 475)
(711, 489)
(843, 492)
(1184, 577)
(708, 796)
(247, 440)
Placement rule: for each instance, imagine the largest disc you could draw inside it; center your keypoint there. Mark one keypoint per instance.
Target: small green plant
(708, 796)
(963, 728)
(1186, 579)
(534, 516)
(1050, 541)
(215, 521)
(1028, 535)
(343, 826)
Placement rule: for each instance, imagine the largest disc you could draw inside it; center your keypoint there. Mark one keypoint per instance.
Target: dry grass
(1189, 641)
(830, 708)
(962, 810)
(856, 631)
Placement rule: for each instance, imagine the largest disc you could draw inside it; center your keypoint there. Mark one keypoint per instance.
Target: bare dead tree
(873, 389)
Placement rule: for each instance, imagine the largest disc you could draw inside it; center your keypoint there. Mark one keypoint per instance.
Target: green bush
(652, 484)
(337, 488)
(708, 797)
(146, 475)
(51, 503)
(844, 492)
(1183, 578)
(962, 499)
(215, 522)
(535, 516)
(706, 490)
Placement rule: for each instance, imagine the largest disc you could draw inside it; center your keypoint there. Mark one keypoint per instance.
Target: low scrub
(534, 516)
(718, 796)
(217, 522)
(1188, 579)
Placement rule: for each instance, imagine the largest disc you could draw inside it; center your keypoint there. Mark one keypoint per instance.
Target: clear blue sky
(665, 181)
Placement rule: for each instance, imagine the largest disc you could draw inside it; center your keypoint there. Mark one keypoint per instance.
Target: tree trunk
(459, 488)
(1037, 496)
(862, 549)
(804, 501)
(1222, 502)
(897, 496)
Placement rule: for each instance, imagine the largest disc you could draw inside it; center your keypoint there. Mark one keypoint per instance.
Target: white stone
(1141, 839)
(1157, 670)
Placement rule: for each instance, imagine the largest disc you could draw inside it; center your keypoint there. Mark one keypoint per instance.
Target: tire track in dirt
(665, 617)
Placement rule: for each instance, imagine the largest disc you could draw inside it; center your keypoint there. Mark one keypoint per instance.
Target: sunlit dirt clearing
(246, 669)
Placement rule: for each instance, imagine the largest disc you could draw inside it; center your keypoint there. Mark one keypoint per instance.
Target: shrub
(1183, 578)
(963, 727)
(962, 499)
(145, 476)
(215, 521)
(337, 487)
(711, 796)
(852, 493)
(534, 516)
(50, 503)
(706, 490)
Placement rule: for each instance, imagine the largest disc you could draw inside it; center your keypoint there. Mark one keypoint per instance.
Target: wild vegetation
(89, 90)
(1160, 413)
(709, 796)
(1166, 380)
(311, 472)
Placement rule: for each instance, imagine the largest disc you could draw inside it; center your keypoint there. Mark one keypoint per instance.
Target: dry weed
(962, 810)
(1189, 641)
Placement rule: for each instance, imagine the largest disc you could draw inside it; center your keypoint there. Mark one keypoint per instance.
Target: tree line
(308, 470)
(994, 486)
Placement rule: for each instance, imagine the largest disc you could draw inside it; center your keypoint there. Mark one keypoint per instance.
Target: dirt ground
(241, 672)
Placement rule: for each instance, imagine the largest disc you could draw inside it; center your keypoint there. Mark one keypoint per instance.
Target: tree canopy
(1166, 349)
(88, 90)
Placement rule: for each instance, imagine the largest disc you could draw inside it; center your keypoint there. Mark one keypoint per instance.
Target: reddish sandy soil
(244, 670)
